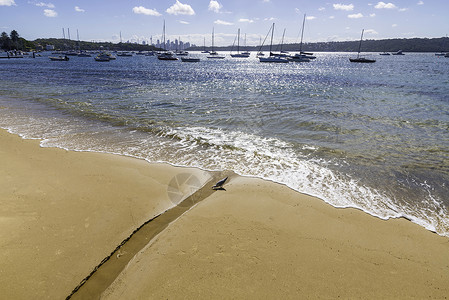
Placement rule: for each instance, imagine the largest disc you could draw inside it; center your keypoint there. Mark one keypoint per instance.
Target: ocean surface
(369, 136)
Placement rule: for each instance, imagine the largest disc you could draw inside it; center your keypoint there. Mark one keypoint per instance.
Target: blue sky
(192, 20)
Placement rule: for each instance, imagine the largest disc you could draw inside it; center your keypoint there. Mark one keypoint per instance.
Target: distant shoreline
(385, 45)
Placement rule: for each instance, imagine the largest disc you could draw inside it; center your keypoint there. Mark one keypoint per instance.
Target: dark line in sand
(102, 276)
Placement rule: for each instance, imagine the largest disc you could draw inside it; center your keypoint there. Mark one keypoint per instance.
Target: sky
(193, 20)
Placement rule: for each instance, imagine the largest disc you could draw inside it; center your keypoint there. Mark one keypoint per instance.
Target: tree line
(386, 45)
(14, 42)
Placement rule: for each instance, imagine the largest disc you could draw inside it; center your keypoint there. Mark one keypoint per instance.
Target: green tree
(4, 41)
(14, 36)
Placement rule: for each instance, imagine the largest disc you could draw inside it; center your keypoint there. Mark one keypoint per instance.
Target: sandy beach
(63, 212)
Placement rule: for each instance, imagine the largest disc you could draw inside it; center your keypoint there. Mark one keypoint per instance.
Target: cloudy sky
(193, 20)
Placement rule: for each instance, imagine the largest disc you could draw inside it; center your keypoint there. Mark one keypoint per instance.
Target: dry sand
(62, 212)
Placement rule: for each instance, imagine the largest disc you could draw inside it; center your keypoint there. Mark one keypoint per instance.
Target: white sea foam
(246, 154)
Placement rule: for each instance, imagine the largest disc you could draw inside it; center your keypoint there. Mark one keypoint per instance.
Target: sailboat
(301, 57)
(204, 47)
(166, 55)
(212, 53)
(238, 54)
(260, 53)
(361, 59)
(246, 52)
(273, 58)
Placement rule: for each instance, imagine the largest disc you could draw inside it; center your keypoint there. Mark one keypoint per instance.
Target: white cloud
(371, 31)
(50, 13)
(78, 9)
(269, 19)
(347, 7)
(321, 8)
(215, 6)
(220, 22)
(42, 4)
(372, 15)
(394, 25)
(246, 21)
(331, 17)
(180, 9)
(310, 18)
(146, 11)
(184, 22)
(388, 5)
(355, 16)
(403, 9)
(7, 2)
(420, 3)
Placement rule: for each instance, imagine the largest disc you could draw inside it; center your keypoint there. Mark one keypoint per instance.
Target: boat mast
(212, 39)
(282, 41)
(163, 35)
(302, 34)
(360, 44)
(271, 42)
(78, 38)
(238, 41)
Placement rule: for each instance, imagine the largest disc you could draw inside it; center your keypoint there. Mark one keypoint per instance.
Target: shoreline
(64, 211)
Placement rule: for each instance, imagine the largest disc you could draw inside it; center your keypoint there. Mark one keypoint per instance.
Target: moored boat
(399, 52)
(190, 59)
(104, 56)
(59, 58)
(125, 54)
(101, 57)
(167, 55)
(301, 56)
(361, 59)
(272, 58)
(213, 54)
(238, 54)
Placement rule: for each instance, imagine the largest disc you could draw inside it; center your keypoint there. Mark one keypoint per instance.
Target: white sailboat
(166, 55)
(301, 56)
(238, 54)
(361, 59)
(273, 58)
(213, 54)
(260, 53)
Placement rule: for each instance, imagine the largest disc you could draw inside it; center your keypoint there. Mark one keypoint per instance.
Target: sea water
(369, 136)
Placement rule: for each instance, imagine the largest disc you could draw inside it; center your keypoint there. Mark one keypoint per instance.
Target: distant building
(50, 47)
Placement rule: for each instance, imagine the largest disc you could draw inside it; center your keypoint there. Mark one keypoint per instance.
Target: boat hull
(59, 58)
(187, 59)
(273, 59)
(362, 60)
(240, 55)
(216, 57)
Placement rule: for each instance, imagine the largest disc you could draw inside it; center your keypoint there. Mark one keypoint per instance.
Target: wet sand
(63, 212)
(261, 240)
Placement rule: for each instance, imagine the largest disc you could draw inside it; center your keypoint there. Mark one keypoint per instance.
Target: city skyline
(193, 20)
